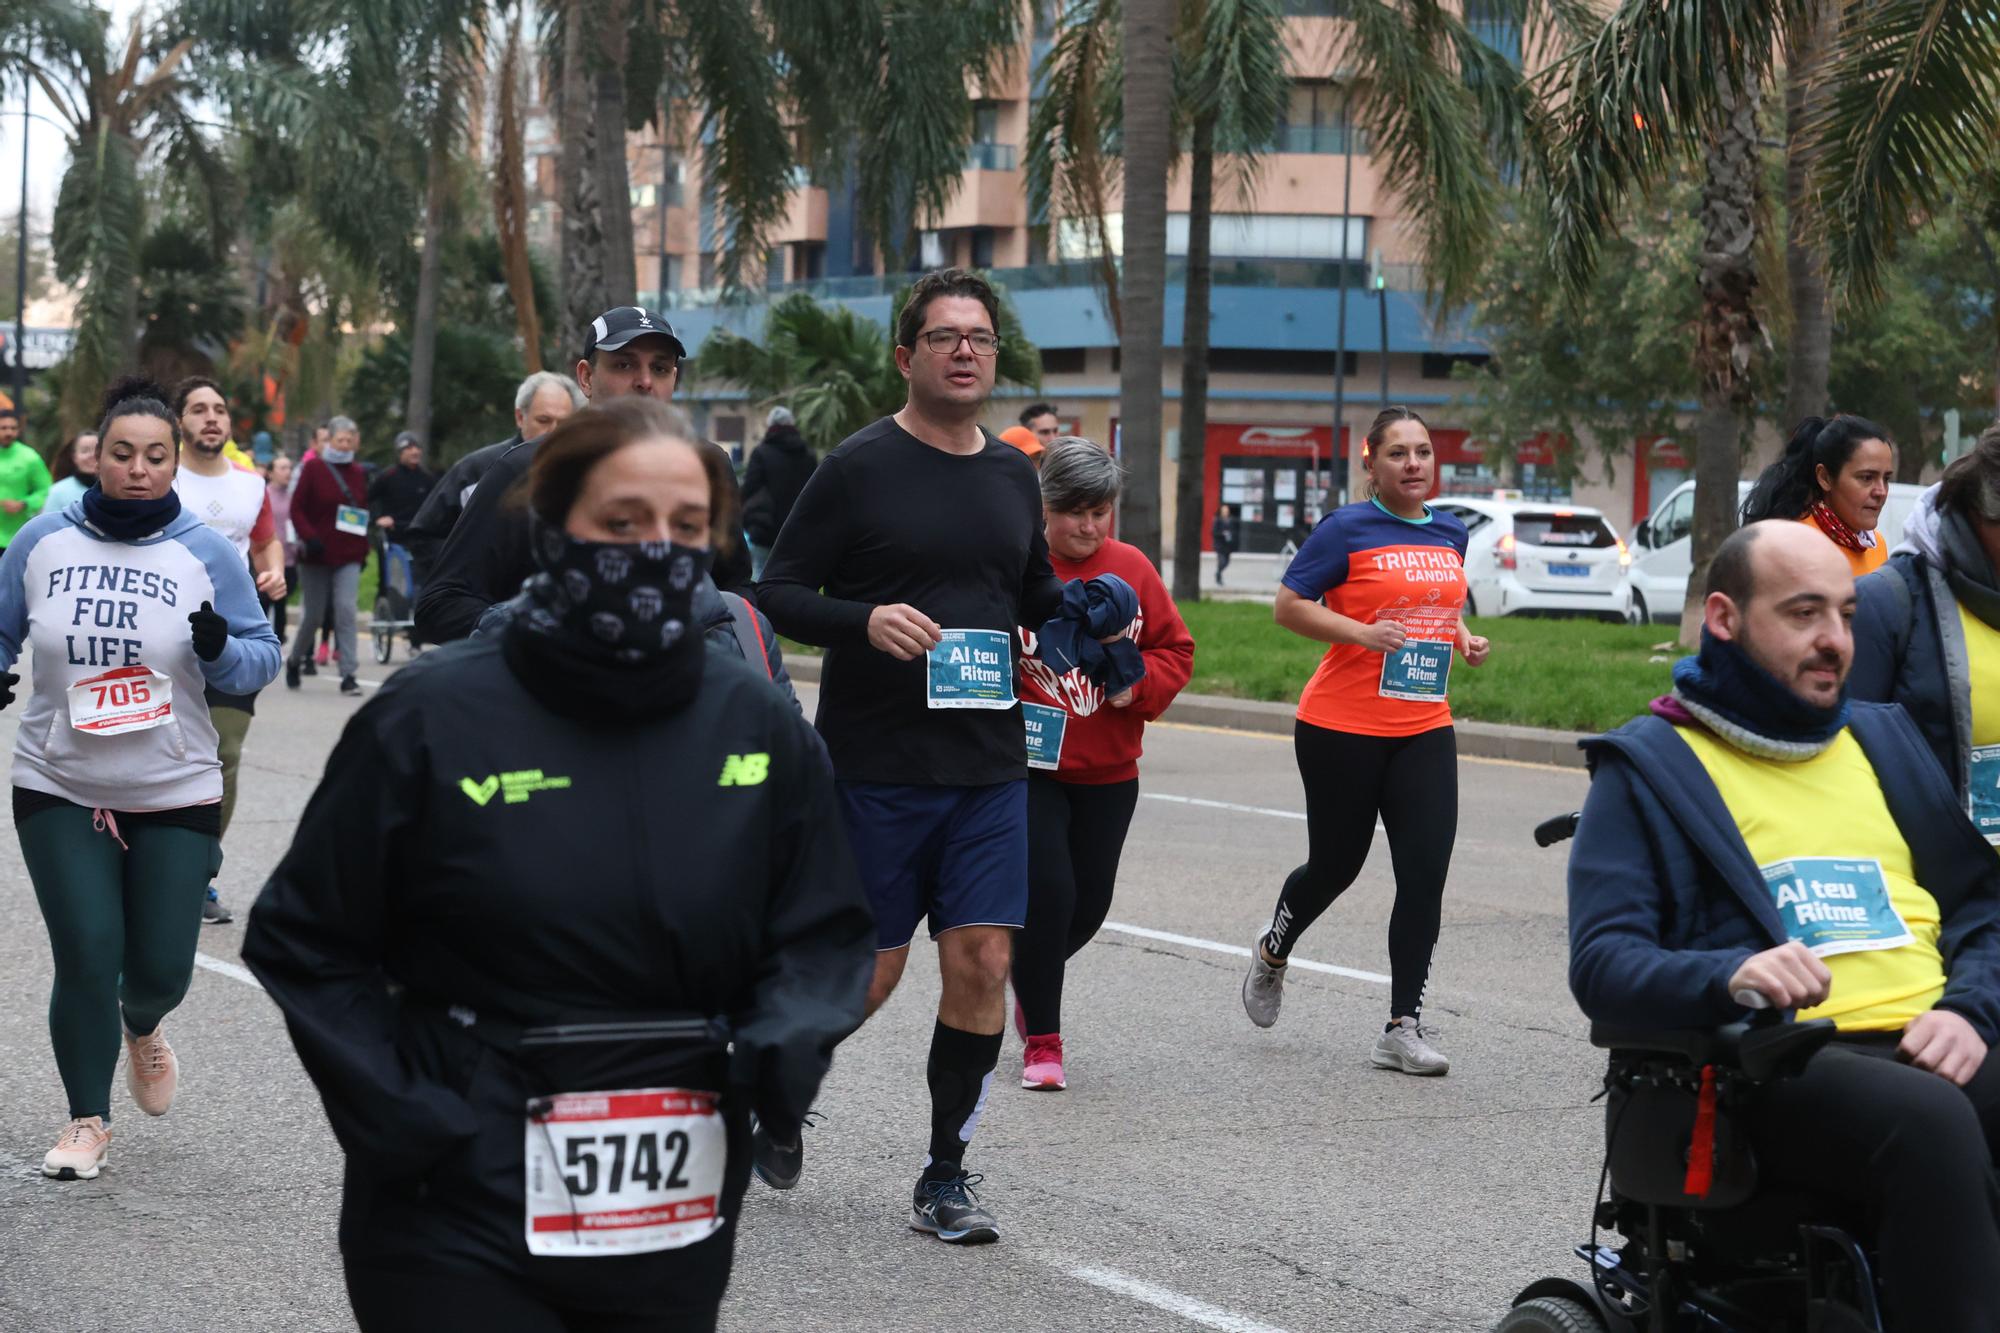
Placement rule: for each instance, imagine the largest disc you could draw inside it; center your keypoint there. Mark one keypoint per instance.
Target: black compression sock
(959, 1072)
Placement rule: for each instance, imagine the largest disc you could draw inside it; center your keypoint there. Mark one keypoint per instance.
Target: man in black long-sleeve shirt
(913, 553)
(626, 350)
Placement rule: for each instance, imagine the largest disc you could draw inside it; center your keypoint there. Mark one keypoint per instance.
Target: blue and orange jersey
(1367, 564)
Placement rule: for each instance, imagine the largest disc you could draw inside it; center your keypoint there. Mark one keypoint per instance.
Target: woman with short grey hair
(1083, 749)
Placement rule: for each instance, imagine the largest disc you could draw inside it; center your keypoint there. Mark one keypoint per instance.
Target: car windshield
(1573, 530)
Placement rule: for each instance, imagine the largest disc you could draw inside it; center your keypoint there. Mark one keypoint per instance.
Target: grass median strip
(1573, 675)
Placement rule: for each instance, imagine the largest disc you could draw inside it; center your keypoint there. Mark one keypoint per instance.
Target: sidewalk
(1479, 740)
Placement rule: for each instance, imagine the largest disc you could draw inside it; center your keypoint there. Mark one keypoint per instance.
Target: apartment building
(1319, 220)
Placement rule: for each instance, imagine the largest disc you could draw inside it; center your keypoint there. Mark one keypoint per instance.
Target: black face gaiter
(609, 629)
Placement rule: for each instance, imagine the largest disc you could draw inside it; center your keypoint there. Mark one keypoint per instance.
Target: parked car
(1533, 555)
(1662, 546)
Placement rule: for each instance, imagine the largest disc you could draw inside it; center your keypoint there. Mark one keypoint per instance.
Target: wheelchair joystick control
(1750, 999)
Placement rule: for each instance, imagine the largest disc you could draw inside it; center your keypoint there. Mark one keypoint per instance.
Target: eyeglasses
(945, 341)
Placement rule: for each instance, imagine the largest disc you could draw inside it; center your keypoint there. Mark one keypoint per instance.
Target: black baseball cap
(621, 324)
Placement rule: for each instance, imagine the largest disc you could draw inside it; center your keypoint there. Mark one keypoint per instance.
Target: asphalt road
(1198, 1173)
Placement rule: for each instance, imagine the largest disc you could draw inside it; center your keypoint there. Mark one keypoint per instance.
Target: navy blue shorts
(958, 855)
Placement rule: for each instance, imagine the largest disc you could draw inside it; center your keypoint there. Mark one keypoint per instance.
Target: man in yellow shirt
(1759, 833)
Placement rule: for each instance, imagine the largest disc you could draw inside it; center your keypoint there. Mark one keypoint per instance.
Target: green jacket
(24, 477)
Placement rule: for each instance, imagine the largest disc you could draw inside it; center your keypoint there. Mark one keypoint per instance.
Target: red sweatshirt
(1101, 744)
(316, 499)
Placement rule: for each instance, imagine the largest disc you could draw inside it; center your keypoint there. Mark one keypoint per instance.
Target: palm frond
(1914, 110)
(1232, 69)
(747, 156)
(1072, 167)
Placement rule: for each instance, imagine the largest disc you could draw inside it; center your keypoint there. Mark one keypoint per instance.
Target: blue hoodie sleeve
(252, 655)
(14, 586)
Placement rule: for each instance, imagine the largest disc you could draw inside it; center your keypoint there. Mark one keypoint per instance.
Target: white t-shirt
(230, 503)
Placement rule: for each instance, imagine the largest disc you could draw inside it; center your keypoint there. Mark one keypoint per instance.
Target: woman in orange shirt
(1835, 475)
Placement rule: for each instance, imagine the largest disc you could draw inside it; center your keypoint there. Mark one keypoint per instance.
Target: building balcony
(991, 157)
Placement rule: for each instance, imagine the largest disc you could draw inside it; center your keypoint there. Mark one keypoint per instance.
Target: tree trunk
(1147, 94)
(614, 176)
(1729, 333)
(585, 294)
(1191, 499)
(430, 274)
(1810, 352)
(510, 202)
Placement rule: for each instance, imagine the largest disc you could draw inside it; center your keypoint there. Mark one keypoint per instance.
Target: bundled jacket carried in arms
(525, 869)
(89, 605)
(1665, 902)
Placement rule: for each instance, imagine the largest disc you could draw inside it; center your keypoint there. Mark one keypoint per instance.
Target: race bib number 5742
(627, 1172)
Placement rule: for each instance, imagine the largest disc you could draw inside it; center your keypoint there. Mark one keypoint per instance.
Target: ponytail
(1790, 486)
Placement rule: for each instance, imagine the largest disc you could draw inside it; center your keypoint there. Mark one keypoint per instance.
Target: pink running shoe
(323, 652)
(1041, 1064)
(151, 1072)
(79, 1154)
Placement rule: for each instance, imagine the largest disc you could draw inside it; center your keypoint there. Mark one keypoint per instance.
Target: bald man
(1758, 835)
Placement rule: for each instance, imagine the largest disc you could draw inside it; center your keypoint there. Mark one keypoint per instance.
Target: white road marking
(234, 971)
(1163, 1298)
(1240, 951)
(1223, 805)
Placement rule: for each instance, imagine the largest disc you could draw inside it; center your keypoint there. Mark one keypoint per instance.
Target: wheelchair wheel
(385, 638)
(1550, 1314)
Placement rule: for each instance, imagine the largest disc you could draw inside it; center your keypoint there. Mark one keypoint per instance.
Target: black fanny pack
(594, 1053)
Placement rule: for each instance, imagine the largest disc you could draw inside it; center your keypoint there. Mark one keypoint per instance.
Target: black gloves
(8, 680)
(312, 546)
(211, 632)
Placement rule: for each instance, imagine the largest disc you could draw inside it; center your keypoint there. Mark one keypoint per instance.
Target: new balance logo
(744, 770)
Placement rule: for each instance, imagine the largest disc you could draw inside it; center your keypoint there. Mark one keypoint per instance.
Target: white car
(1531, 555)
(1662, 546)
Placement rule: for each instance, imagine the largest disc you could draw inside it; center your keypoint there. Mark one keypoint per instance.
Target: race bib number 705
(628, 1172)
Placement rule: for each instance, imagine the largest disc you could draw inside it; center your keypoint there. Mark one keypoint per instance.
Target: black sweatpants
(1412, 783)
(1912, 1150)
(435, 1299)
(1076, 834)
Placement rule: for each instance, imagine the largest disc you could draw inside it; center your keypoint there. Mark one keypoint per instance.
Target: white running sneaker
(1263, 988)
(151, 1071)
(1406, 1047)
(79, 1153)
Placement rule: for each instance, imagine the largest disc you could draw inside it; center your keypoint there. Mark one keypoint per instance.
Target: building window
(1064, 360)
(931, 251)
(774, 267)
(982, 247)
(808, 261)
(643, 196)
(1315, 120)
(725, 429)
(1277, 361)
(1437, 365)
(708, 268)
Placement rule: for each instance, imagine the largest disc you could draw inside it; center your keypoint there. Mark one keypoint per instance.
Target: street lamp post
(21, 272)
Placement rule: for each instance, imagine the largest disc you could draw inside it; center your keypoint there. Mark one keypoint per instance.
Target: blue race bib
(1836, 905)
(1986, 792)
(1045, 734)
(970, 668)
(1419, 670)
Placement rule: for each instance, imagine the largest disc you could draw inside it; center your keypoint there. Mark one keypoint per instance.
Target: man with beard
(24, 478)
(232, 500)
(1759, 841)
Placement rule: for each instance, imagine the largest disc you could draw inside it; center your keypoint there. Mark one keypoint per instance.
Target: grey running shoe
(1406, 1047)
(213, 913)
(949, 1210)
(1263, 988)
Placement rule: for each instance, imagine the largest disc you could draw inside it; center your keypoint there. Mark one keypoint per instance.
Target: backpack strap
(750, 635)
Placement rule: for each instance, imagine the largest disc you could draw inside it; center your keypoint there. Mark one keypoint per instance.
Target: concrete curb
(1480, 740)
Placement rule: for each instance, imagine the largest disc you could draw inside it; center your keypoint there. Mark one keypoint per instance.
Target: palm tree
(1446, 109)
(1911, 106)
(510, 198)
(122, 110)
(834, 368)
(1147, 125)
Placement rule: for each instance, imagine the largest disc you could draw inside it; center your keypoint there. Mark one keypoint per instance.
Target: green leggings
(123, 926)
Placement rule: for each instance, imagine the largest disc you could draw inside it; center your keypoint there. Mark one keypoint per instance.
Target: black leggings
(1412, 781)
(1075, 835)
(429, 1300)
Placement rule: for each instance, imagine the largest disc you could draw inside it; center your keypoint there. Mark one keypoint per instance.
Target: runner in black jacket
(627, 352)
(569, 845)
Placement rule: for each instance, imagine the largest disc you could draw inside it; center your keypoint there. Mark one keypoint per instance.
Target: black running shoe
(949, 1210)
(348, 685)
(292, 674)
(306, 668)
(777, 1166)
